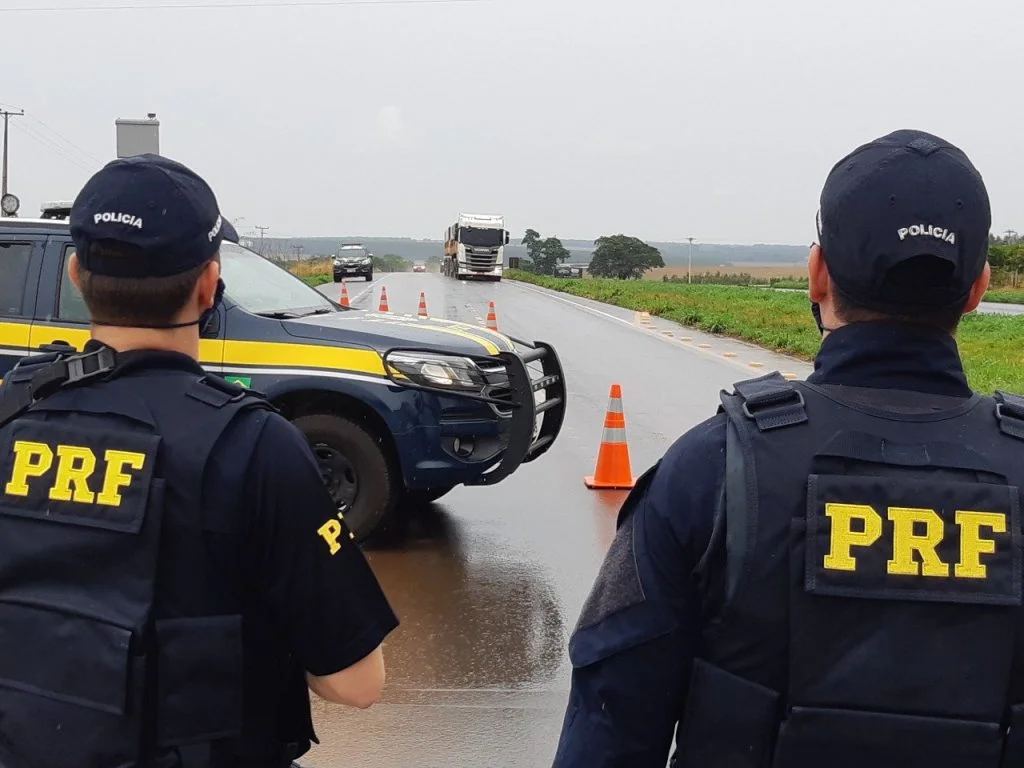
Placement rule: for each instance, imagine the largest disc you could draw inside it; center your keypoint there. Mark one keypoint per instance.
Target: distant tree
(531, 239)
(543, 254)
(391, 262)
(623, 257)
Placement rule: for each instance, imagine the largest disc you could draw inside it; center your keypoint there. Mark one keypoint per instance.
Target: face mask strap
(815, 307)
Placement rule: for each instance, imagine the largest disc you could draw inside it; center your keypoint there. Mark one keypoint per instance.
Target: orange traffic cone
(613, 469)
(423, 305)
(383, 299)
(344, 294)
(492, 318)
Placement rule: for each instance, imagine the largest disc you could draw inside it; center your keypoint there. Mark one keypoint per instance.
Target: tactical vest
(870, 610)
(112, 655)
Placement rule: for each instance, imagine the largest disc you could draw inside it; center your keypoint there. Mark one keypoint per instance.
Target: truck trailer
(474, 246)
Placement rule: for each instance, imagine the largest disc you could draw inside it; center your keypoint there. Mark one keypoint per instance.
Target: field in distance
(760, 271)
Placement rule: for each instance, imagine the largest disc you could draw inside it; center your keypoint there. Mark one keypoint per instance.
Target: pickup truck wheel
(420, 497)
(355, 470)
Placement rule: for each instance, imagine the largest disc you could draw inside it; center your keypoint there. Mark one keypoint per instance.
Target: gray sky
(656, 118)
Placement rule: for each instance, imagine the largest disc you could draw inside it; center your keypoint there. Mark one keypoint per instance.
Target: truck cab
(398, 410)
(474, 247)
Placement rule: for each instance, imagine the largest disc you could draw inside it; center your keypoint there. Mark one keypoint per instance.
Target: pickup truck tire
(356, 471)
(421, 497)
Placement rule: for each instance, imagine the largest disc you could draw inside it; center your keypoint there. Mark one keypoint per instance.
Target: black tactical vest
(870, 612)
(113, 652)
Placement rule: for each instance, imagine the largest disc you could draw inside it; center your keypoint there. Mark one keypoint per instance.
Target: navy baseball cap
(905, 195)
(156, 204)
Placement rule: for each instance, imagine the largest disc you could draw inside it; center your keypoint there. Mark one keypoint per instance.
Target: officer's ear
(819, 282)
(206, 285)
(75, 271)
(979, 289)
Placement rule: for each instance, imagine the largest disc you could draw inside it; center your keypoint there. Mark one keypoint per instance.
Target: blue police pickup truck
(399, 410)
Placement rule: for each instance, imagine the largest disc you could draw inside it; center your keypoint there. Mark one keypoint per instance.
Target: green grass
(315, 280)
(1006, 296)
(992, 346)
(790, 284)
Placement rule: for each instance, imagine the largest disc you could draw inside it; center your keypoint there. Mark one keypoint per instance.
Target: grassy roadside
(992, 346)
(1006, 296)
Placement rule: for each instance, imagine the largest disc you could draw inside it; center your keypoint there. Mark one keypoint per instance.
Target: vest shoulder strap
(1010, 413)
(39, 376)
(770, 401)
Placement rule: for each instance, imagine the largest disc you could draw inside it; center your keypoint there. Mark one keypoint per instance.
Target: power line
(244, 4)
(48, 143)
(65, 139)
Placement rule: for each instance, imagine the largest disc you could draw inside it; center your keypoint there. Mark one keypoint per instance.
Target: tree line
(617, 256)
(1006, 256)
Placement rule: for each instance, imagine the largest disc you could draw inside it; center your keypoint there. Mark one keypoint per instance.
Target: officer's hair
(907, 277)
(129, 301)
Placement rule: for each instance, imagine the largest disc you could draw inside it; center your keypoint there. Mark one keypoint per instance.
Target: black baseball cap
(904, 195)
(156, 204)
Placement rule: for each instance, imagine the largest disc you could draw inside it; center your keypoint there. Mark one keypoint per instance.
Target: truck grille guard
(512, 394)
(527, 441)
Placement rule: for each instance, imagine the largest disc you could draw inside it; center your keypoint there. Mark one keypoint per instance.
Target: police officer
(173, 572)
(828, 573)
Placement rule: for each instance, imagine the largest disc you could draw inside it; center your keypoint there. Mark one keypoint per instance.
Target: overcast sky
(656, 118)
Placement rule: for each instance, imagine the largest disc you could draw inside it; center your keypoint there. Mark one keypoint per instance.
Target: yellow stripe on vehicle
(273, 353)
(503, 340)
(14, 334)
(433, 324)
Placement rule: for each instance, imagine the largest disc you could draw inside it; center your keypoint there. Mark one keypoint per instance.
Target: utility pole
(689, 266)
(7, 116)
(298, 252)
(262, 232)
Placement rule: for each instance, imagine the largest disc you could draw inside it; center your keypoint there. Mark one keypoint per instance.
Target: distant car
(353, 261)
(419, 266)
(565, 270)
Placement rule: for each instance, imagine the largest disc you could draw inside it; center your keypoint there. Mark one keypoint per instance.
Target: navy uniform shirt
(633, 647)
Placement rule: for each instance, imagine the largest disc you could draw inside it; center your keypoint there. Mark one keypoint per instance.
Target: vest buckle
(775, 408)
(1010, 414)
(89, 365)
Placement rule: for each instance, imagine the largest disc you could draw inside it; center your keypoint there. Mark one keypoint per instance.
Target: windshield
(352, 253)
(481, 238)
(260, 286)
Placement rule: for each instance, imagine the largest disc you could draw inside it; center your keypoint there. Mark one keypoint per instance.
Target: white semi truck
(474, 246)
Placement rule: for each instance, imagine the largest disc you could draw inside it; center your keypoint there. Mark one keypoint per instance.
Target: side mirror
(506, 237)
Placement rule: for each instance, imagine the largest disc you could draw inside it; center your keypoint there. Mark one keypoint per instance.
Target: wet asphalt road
(488, 582)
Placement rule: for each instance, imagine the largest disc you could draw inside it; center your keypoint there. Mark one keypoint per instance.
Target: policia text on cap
(173, 571)
(828, 573)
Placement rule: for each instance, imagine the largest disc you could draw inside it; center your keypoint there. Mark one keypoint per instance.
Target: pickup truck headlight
(436, 371)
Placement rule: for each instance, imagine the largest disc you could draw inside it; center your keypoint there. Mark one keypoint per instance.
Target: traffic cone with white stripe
(492, 318)
(344, 294)
(383, 299)
(613, 468)
(423, 305)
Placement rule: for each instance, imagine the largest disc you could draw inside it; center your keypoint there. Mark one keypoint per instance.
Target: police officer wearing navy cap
(165, 596)
(827, 574)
